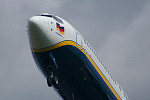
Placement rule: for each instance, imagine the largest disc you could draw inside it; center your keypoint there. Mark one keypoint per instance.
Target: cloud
(119, 30)
(127, 53)
(19, 76)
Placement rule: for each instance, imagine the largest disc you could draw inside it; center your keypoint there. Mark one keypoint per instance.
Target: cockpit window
(47, 15)
(52, 16)
(58, 20)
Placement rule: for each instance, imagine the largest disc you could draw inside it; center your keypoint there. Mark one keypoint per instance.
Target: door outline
(78, 40)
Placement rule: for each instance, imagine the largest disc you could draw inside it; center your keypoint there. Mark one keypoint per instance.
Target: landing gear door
(78, 40)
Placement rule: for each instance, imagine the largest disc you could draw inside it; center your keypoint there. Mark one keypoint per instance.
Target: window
(51, 16)
(115, 82)
(119, 88)
(46, 15)
(57, 19)
(84, 41)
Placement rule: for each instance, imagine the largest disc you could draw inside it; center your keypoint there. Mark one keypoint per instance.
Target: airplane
(68, 62)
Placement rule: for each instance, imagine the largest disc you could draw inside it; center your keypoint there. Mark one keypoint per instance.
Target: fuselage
(68, 61)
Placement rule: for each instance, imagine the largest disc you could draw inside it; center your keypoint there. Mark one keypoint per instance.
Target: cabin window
(119, 88)
(84, 41)
(115, 82)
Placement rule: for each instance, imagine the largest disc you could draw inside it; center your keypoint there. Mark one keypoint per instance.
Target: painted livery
(68, 61)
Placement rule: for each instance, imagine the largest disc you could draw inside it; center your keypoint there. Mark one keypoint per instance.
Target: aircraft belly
(75, 79)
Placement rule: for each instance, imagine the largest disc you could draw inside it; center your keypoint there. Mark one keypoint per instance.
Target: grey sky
(118, 30)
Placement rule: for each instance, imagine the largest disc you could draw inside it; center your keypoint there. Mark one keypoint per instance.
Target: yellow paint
(60, 31)
(87, 55)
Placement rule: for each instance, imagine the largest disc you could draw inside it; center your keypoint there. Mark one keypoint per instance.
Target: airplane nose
(38, 32)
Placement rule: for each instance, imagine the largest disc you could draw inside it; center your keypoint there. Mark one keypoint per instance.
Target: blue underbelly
(78, 79)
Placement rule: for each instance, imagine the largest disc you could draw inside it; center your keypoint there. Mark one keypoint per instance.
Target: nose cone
(38, 27)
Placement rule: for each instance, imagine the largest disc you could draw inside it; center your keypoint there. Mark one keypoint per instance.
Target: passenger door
(79, 40)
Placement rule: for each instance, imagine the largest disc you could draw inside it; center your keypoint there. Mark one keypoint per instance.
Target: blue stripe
(92, 69)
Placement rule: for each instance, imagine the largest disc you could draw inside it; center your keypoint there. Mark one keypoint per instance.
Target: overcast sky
(118, 30)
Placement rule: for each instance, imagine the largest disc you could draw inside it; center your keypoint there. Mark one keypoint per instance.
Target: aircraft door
(78, 40)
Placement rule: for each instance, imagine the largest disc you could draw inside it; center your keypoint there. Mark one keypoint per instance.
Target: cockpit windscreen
(51, 16)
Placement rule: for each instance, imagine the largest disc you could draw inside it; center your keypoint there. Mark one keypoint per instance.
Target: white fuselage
(45, 34)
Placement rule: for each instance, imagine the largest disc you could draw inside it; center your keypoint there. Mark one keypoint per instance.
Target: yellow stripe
(58, 29)
(87, 55)
(61, 32)
(55, 46)
(103, 77)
